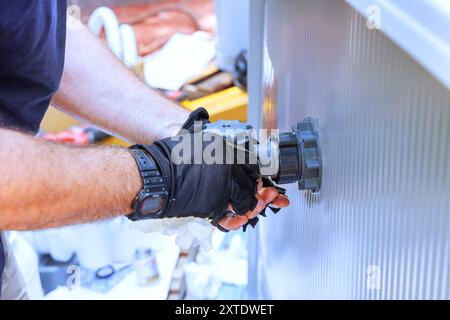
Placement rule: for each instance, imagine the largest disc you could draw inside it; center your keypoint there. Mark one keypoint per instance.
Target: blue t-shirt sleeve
(32, 45)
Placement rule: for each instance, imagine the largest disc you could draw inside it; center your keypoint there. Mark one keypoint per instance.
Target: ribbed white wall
(385, 138)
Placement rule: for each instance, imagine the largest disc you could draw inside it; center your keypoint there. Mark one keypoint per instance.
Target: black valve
(289, 163)
(300, 157)
(295, 157)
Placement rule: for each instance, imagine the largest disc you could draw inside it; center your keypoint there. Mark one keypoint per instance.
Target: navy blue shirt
(32, 44)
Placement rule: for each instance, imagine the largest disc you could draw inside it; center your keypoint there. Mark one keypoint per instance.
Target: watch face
(151, 205)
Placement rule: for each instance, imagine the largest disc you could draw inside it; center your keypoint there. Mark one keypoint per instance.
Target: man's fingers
(280, 201)
(259, 207)
(265, 196)
(242, 199)
(268, 194)
(260, 184)
(237, 221)
(233, 223)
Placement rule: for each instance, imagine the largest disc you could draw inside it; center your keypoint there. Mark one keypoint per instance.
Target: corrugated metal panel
(380, 226)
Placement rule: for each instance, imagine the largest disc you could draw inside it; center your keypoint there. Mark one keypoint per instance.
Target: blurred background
(173, 46)
(374, 74)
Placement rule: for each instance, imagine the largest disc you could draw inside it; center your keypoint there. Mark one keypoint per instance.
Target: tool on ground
(108, 271)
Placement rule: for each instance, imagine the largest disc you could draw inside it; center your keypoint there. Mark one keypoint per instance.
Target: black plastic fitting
(300, 157)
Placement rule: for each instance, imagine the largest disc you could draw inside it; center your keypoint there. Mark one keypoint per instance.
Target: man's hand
(266, 196)
(227, 193)
(46, 185)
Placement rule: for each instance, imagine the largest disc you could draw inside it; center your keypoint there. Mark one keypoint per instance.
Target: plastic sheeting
(380, 226)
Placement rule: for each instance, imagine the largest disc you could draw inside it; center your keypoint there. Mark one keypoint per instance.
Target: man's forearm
(98, 88)
(46, 185)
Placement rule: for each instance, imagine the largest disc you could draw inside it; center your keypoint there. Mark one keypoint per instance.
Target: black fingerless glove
(201, 189)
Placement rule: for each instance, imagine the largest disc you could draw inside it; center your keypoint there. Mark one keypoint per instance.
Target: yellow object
(113, 141)
(229, 104)
(56, 121)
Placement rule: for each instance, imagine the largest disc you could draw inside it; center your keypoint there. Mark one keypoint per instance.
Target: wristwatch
(151, 200)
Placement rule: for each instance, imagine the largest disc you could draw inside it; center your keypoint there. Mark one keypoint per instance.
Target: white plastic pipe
(129, 45)
(105, 18)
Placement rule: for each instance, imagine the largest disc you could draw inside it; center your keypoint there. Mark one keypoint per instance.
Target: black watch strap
(153, 184)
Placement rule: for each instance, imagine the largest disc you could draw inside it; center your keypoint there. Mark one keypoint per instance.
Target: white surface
(28, 263)
(201, 281)
(187, 230)
(130, 54)
(13, 283)
(230, 265)
(121, 39)
(167, 253)
(104, 18)
(128, 289)
(420, 27)
(97, 244)
(211, 269)
(183, 57)
(232, 31)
